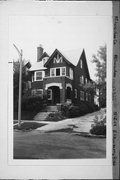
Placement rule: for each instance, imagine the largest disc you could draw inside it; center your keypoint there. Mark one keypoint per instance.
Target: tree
(25, 78)
(100, 61)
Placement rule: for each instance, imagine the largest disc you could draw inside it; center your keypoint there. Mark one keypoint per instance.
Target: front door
(53, 95)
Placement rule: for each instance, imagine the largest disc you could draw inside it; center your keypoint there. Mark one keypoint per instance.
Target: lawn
(57, 145)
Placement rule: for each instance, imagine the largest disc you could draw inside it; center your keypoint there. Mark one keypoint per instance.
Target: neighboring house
(59, 79)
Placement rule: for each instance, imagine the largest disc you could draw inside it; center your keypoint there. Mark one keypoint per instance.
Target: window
(37, 92)
(63, 71)
(38, 76)
(71, 73)
(81, 95)
(82, 79)
(58, 72)
(75, 93)
(86, 96)
(81, 64)
(49, 94)
(52, 72)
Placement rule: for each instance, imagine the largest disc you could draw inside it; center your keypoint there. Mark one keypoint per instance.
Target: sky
(61, 32)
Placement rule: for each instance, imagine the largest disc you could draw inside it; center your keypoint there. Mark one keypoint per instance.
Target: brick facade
(62, 81)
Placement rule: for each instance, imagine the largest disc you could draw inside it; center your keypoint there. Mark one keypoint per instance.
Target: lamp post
(20, 52)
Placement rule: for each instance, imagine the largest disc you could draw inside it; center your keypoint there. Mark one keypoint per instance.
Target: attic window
(81, 64)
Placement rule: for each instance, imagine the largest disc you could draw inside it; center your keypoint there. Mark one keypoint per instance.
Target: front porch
(58, 93)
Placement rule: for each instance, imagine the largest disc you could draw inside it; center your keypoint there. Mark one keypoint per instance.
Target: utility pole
(20, 52)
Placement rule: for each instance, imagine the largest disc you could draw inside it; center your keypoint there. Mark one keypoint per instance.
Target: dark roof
(83, 57)
(43, 55)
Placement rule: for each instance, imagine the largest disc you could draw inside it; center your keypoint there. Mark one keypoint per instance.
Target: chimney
(39, 52)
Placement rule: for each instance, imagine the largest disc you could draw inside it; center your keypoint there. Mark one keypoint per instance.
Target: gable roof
(83, 57)
(43, 55)
(57, 51)
(39, 65)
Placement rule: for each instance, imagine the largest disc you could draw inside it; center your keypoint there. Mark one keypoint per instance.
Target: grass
(28, 126)
(57, 145)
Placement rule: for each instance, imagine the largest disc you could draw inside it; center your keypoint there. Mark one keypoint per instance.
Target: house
(58, 78)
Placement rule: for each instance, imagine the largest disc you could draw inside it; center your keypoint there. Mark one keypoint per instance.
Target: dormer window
(81, 64)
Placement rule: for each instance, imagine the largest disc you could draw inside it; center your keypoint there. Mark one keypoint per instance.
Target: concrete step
(41, 116)
(52, 108)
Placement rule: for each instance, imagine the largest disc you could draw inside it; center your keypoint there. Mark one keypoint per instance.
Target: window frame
(35, 76)
(61, 72)
(34, 92)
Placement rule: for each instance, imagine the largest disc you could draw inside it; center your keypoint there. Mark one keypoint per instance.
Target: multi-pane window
(86, 96)
(63, 71)
(75, 93)
(82, 95)
(71, 73)
(37, 92)
(38, 76)
(52, 72)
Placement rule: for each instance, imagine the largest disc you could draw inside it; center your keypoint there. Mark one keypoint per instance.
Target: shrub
(55, 116)
(99, 126)
(73, 111)
(32, 104)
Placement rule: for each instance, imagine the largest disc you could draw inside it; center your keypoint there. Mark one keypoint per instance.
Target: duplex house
(61, 77)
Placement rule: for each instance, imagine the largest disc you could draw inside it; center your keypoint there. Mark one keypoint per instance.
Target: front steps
(41, 116)
(52, 108)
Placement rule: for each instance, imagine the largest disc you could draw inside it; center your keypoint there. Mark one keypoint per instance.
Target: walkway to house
(79, 124)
